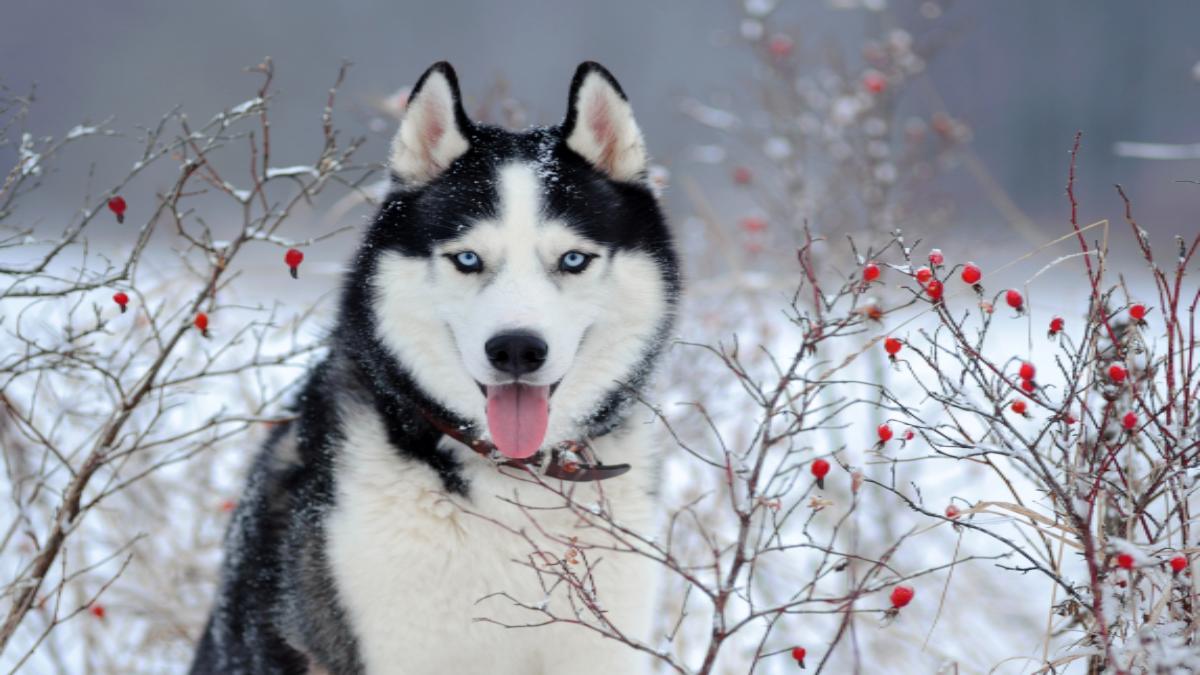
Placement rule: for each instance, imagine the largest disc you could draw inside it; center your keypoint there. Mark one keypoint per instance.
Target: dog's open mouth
(517, 416)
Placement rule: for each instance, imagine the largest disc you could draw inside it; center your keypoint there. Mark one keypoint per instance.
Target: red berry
(820, 468)
(1138, 312)
(1056, 326)
(971, 273)
(924, 274)
(934, 290)
(1069, 419)
(870, 272)
(874, 82)
(909, 435)
(1014, 299)
(1129, 421)
(1019, 407)
(117, 206)
(201, 323)
(1178, 563)
(293, 258)
(952, 511)
(1125, 561)
(228, 505)
(1027, 370)
(798, 653)
(936, 258)
(1028, 386)
(902, 595)
(780, 46)
(885, 433)
(98, 611)
(892, 346)
(754, 224)
(742, 175)
(121, 299)
(1117, 373)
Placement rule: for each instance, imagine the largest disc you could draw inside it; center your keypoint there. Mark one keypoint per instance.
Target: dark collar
(566, 460)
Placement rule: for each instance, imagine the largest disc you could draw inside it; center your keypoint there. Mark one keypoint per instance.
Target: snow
(80, 130)
(28, 160)
(299, 170)
(246, 107)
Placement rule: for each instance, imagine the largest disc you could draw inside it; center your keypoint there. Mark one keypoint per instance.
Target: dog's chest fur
(417, 568)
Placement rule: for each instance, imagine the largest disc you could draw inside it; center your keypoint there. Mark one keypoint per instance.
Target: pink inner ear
(599, 121)
(431, 131)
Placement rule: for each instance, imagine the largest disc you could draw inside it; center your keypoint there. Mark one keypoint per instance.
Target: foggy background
(1025, 75)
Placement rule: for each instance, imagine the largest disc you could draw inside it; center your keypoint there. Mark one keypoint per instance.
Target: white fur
(413, 564)
(596, 324)
(429, 138)
(605, 131)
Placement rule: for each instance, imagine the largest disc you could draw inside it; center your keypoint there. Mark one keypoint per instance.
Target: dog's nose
(516, 353)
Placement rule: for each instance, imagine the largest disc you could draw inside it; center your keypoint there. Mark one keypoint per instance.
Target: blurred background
(949, 120)
(1022, 76)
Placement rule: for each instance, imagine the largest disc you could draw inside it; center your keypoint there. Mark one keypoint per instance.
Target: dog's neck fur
(412, 418)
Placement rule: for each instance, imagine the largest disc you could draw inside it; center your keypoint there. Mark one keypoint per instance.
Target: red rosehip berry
(122, 300)
(870, 272)
(874, 82)
(742, 175)
(780, 46)
(293, 258)
(1125, 561)
(1028, 386)
(1117, 373)
(952, 512)
(117, 206)
(798, 653)
(98, 611)
(909, 434)
(1014, 299)
(971, 273)
(1027, 371)
(1138, 312)
(902, 595)
(754, 224)
(1178, 564)
(1056, 326)
(934, 290)
(884, 432)
(892, 346)
(201, 323)
(924, 274)
(1069, 419)
(820, 469)
(1129, 421)
(936, 258)
(1020, 407)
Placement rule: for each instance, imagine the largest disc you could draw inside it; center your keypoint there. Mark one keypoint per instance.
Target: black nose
(516, 353)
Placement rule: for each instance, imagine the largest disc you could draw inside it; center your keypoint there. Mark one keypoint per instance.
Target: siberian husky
(504, 311)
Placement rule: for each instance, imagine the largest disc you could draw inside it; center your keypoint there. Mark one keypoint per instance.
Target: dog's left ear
(600, 125)
(434, 130)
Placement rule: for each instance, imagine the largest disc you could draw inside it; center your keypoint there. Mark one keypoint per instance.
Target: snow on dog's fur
(517, 286)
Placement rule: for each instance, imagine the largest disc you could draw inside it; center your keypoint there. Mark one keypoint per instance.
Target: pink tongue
(517, 417)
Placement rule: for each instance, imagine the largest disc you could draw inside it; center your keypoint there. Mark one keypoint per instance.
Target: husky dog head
(519, 283)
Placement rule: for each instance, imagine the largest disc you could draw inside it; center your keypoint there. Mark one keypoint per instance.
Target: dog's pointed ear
(435, 128)
(600, 125)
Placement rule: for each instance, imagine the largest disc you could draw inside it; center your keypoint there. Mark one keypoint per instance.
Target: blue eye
(574, 262)
(467, 262)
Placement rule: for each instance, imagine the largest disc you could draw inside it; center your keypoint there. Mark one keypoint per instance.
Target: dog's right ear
(434, 130)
